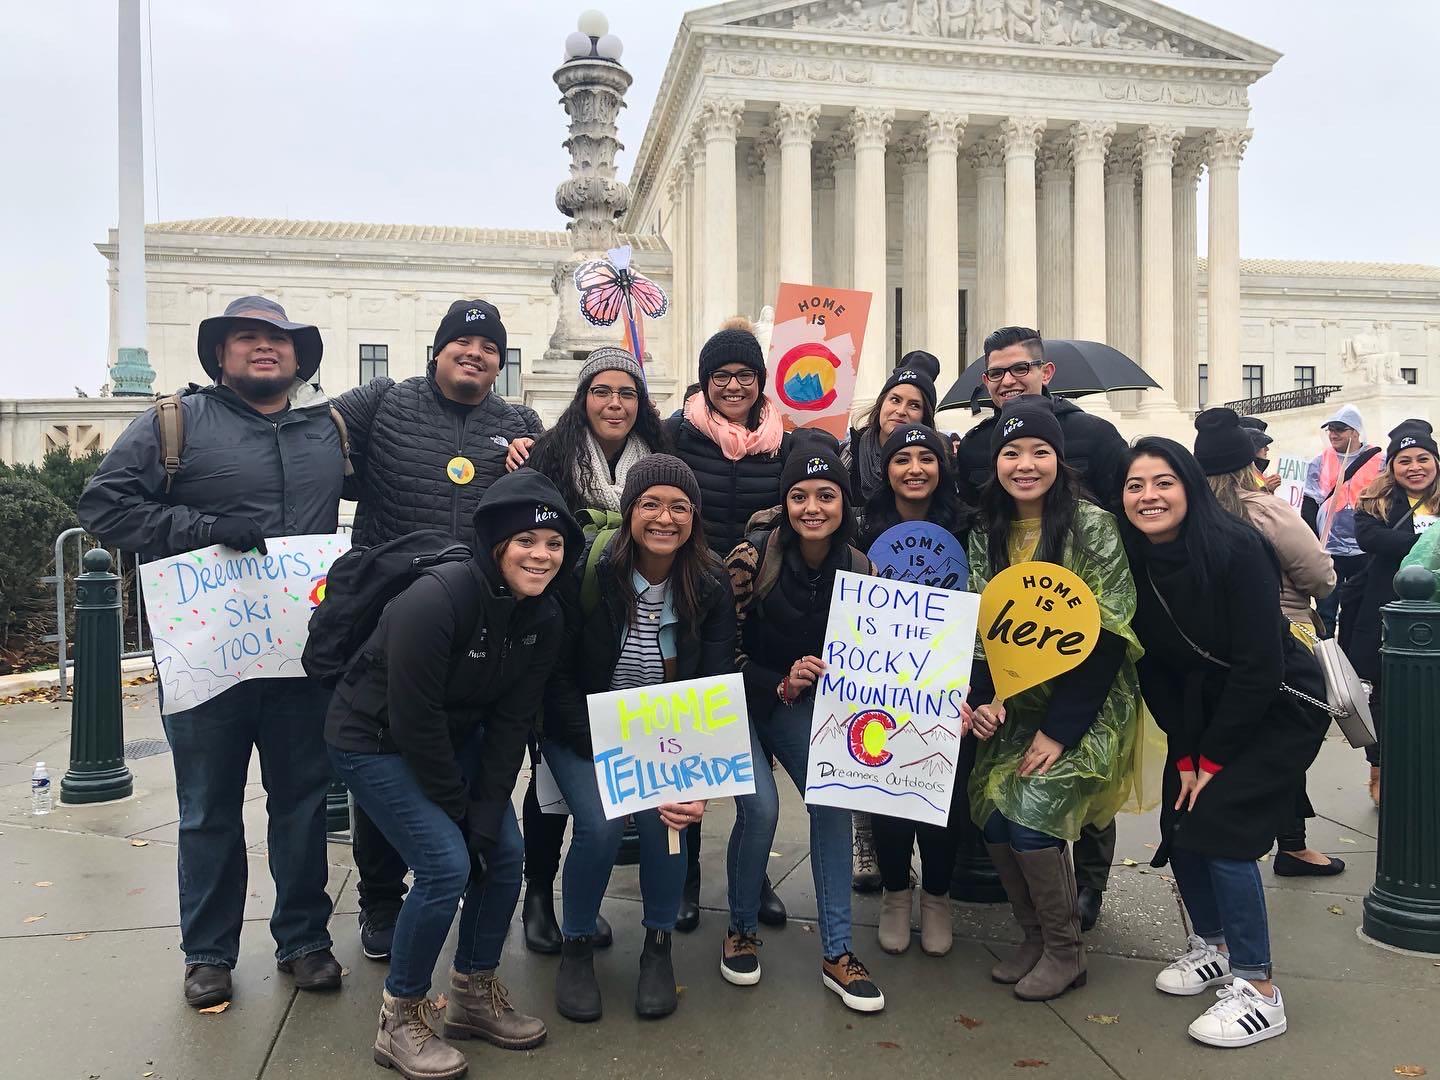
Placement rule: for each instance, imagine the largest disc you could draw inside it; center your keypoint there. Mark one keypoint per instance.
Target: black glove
(239, 533)
(477, 816)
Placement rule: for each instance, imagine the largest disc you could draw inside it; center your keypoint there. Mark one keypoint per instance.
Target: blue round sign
(921, 552)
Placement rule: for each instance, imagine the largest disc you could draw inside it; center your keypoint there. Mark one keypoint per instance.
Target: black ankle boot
(688, 917)
(655, 994)
(542, 932)
(772, 908)
(577, 994)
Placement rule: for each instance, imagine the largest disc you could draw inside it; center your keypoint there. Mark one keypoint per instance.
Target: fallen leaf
(344, 971)
(43, 884)
(135, 892)
(1143, 870)
(1103, 1018)
(144, 843)
(1347, 840)
(1129, 862)
(150, 1073)
(1410, 1070)
(35, 918)
(1335, 909)
(969, 1022)
(76, 937)
(774, 855)
(1150, 846)
(886, 1044)
(1030, 1063)
(215, 1010)
(679, 990)
(807, 928)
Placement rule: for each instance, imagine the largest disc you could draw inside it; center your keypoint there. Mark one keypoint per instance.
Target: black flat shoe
(604, 936)
(537, 915)
(1088, 902)
(314, 971)
(206, 985)
(772, 908)
(1287, 865)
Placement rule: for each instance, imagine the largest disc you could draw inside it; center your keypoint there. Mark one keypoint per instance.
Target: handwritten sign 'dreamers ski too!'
(887, 707)
(672, 742)
(219, 616)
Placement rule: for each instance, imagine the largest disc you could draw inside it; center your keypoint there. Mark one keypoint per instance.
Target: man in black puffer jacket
(425, 451)
(1097, 452)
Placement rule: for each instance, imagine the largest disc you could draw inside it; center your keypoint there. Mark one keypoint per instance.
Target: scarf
(736, 441)
(867, 458)
(601, 494)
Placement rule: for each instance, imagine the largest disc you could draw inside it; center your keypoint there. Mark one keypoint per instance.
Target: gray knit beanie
(658, 470)
(611, 358)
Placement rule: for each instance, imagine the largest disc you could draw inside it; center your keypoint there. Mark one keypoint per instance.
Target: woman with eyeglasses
(734, 441)
(659, 609)
(609, 426)
(908, 397)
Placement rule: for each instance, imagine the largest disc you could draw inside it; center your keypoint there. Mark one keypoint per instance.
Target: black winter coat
(428, 677)
(1093, 448)
(1387, 542)
(402, 436)
(592, 647)
(1262, 737)
(730, 491)
(282, 471)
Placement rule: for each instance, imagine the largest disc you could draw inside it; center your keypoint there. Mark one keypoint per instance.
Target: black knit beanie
(1221, 444)
(731, 346)
(914, 374)
(470, 318)
(1029, 416)
(814, 460)
(658, 470)
(1408, 435)
(908, 435)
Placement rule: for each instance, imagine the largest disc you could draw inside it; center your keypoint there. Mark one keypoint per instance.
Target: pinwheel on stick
(610, 290)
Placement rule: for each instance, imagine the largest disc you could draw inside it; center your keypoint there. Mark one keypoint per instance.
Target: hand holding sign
(1037, 620)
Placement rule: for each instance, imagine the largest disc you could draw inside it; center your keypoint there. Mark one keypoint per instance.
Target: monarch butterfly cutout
(609, 290)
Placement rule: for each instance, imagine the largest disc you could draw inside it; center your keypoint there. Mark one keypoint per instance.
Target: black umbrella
(1081, 367)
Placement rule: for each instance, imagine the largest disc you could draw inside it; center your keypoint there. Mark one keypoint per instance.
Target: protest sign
(672, 742)
(219, 616)
(1037, 620)
(814, 351)
(886, 727)
(1291, 471)
(923, 552)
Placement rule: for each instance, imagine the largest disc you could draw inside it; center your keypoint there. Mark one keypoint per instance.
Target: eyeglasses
(721, 379)
(679, 511)
(605, 393)
(1019, 369)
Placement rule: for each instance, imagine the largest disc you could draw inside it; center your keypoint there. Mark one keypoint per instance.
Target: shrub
(31, 516)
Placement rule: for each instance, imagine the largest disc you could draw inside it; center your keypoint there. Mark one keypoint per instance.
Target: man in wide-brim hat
(261, 316)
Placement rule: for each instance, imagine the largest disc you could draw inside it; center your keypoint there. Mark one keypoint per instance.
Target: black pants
(1292, 837)
(1340, 607)
(1094, 854)
(896, 837)
(544, 837)
(380, 868)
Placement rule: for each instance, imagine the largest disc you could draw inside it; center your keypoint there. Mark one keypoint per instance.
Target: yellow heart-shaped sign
(1037, 620)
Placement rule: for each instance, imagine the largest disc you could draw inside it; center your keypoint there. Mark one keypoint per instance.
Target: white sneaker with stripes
(1202, 967)
(1240, 1017)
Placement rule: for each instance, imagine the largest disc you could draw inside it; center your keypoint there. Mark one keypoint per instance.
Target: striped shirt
(641, 661)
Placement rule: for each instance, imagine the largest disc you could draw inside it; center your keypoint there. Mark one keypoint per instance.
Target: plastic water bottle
(41, 799)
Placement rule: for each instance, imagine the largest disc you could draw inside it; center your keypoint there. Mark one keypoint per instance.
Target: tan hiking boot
(1014, 969)
(865, 872)
(894, 929)
(1051, 877)
(937, 933)
(479, 1008)
(408, 1043)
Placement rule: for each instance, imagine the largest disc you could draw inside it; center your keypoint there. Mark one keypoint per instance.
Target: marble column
(1021, 135)
(987, 158)
(721, 119)
(870, 129)
(750, 214)
(943, 132)
(1157, 263)
(796, 126)
(679, 252)
(767, 148)
(1185, 175)
(911, 152)
(1089, 141)
(1057, 257)
(699, 330)
(1122, 270)
(823, 222)
(842, 153)
(1223, 150)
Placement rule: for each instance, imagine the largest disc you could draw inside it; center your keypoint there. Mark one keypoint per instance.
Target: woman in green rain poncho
(1059, 755)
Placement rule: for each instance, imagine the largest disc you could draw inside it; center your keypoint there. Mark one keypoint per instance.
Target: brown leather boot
(407, 1041)
(1027, 955)
(1051, 877)
(479, 1008)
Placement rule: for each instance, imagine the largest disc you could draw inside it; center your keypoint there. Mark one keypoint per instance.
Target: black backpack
(359, 585)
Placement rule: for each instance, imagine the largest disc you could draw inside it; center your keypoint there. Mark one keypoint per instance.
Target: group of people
(619, 550)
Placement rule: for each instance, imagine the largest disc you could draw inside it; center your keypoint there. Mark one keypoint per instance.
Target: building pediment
(1125, 26)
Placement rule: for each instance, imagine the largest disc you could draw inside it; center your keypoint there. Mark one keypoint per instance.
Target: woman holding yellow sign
(1057, 686)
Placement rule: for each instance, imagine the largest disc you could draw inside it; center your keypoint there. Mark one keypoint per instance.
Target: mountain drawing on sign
(936, 764)
(909, 743)
(937, 735)
(833, 728)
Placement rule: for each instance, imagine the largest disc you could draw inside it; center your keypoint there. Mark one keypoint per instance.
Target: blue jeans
(786, 736)
(1001, 830)
(211, 744)
(433, 845)
(595, 842)
(1226, 903)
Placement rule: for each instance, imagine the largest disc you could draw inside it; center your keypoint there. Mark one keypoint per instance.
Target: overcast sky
(443, 112)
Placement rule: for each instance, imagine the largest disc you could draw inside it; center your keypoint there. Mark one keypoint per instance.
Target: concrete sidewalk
(88, 922)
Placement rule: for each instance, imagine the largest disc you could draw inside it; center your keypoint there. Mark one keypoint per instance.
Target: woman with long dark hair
(609, 426)
(1059, 755)
(908, 397)
(1400, 504)
(919, 487)
(658, 610)
(1217, 650)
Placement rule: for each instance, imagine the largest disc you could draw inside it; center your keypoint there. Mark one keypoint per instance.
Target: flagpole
(130, 371)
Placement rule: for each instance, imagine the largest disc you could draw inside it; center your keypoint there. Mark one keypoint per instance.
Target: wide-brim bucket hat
(308, 347)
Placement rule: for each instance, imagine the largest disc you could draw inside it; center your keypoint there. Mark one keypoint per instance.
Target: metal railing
(123, 563)
(1289, 399)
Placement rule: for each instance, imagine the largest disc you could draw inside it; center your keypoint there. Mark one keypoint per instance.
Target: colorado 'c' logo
(805, 377)
(867, 737)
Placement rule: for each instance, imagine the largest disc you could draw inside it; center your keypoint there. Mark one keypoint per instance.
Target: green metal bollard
(1403, 906)
(97, 772)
